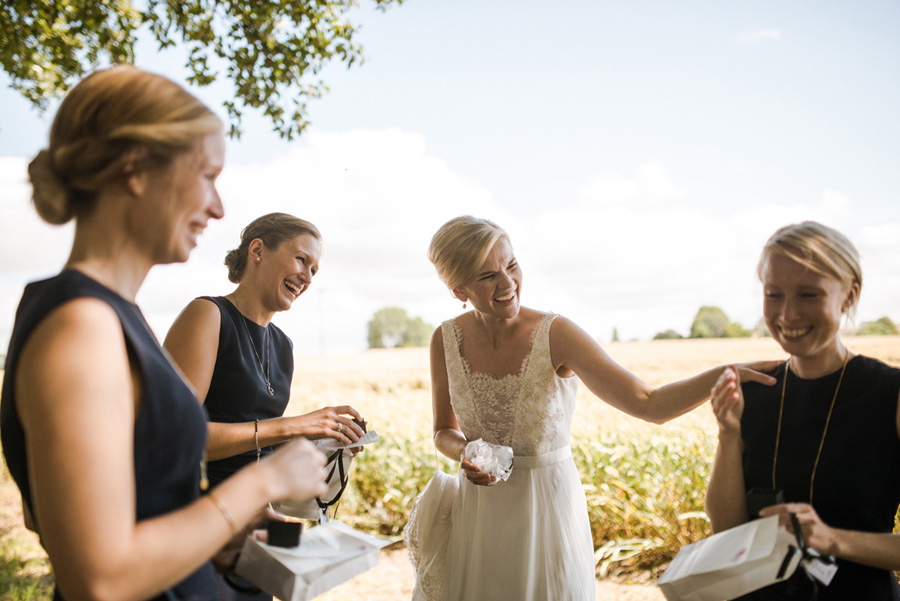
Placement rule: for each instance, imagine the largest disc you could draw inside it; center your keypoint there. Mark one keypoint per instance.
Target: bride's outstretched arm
(573, 350)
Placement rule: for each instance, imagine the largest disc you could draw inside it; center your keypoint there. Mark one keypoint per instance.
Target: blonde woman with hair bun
(101, 434)
(507, 374)
(824, 442)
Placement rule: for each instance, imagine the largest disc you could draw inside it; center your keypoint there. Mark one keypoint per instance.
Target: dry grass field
(644, 483)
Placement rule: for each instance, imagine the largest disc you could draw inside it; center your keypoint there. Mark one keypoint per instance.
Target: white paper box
(328, 555)
(731, 563)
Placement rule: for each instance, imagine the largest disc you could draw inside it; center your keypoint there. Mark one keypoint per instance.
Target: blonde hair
(112, 118)
(272, 229)
(819, 248)
(460, 247)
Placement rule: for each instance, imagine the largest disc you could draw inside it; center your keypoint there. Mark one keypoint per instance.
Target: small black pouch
(757, 498)
(284, 534)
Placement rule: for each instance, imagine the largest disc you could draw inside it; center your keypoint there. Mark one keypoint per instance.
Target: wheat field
(644, 483)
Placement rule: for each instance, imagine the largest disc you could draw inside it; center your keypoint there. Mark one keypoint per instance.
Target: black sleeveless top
(237, 391)
(857, 483)
(169, 429)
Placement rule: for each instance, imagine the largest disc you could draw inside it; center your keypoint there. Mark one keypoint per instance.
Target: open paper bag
(328, 555)
(732, 563)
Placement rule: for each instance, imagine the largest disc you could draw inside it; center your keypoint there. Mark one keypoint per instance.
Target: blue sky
(638, 153)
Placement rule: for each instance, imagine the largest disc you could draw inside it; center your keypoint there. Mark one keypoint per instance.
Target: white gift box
(327, 556)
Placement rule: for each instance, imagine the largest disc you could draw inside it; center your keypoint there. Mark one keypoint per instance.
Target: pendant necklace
(264, 372)
(812, 478)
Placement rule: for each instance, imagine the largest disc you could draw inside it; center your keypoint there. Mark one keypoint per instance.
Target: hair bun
(50, 196)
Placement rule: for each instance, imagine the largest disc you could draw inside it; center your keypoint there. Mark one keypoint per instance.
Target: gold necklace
(263, 372)
(812, 478)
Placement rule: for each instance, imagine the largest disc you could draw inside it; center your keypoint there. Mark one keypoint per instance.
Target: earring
(464, 306)
(258, 259)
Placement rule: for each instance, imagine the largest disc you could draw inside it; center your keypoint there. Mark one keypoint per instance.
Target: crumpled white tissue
(494, 459)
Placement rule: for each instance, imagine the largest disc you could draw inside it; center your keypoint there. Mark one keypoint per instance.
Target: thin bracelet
(256, 438)
(218, 503)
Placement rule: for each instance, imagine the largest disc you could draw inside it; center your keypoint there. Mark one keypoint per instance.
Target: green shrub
(880, 327)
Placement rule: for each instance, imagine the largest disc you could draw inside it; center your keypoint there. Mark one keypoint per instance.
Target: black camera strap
(337, 461)
(810, 557)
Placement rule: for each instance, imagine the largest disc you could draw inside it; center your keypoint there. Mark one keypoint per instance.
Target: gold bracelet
(256, 438)
(230, 520)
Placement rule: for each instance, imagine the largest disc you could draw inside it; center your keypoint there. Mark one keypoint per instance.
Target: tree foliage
(391, 327)
(668, 335)
(711, 322)
(271, 51)
(880, 327)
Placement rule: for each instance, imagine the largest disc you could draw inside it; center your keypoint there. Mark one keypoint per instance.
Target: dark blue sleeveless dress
(857, 483)
(169, 429)
(237, 392)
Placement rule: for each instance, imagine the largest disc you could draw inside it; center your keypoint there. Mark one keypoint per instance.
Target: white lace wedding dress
(529, 538)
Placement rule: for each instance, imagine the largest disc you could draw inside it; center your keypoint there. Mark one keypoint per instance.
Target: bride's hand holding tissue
(485, 464)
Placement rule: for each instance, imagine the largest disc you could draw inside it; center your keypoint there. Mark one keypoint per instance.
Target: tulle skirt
(525, 539)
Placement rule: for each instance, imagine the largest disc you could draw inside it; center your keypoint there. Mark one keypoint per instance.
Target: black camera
(757, 498)
(284, 534)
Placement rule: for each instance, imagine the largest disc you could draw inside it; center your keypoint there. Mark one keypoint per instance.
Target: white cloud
(28, 244)
(651, 186)
(760, 35)
(377, 197)
(644, 268)
(29, 248)
(631, 252)
(879, 247)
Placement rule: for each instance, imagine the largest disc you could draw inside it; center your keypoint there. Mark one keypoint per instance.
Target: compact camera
(757, 498)
(284, 534)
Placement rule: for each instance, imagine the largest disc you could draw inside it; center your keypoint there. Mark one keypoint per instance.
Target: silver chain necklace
(263, 372)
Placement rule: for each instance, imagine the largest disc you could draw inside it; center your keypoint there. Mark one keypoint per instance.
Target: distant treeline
(712, 322)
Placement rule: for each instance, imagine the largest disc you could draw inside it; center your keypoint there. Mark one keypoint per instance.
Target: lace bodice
(530, 411)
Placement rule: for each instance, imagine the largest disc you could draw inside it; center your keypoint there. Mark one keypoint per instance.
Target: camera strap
(336, 460)
(818, 568)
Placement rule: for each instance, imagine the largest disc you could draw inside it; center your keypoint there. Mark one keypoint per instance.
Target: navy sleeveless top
(169, 429)
(857, 483)
(237, 391)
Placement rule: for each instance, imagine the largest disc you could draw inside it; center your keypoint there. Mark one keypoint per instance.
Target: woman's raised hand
(331, 422)
(297, 471)
(728, 401)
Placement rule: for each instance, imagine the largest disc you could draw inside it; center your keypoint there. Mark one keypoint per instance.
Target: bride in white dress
(506, 374)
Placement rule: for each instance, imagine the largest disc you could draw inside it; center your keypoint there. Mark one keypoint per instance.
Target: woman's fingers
(345, 428)
(342, 431)
(348, 410)
(302, 469)
(475, 475)
(755, 372)
(726, 400)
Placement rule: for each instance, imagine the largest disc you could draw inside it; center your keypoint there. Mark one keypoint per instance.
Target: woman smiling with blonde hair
(824, 442)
